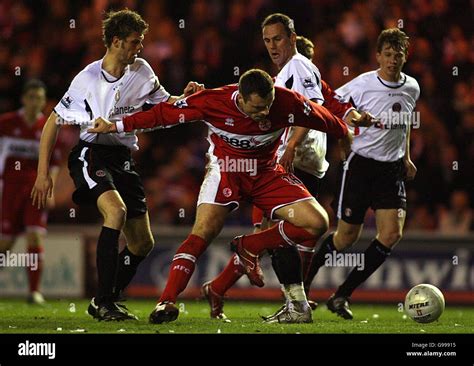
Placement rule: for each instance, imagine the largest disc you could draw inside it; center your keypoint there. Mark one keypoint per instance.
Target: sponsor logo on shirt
(181, 103)
(307, 108)
(122, 110)
(308, 82)
(229, 122)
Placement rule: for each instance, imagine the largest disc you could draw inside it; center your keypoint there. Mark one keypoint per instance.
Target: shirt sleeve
(159, 93)
(73, 107)
(312, 115)
(335, 105)
(185, 110)
(306, 81)
(348, 93)
(418, 91)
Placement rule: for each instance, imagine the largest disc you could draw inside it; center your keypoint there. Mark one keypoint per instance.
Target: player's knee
(390, 238)
(318, 226)
(207, 232)
(343, 240)
(115, 216)
(145, 247)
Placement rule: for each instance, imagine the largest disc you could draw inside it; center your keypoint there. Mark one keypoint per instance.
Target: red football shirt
(19, 147)
(232, 133)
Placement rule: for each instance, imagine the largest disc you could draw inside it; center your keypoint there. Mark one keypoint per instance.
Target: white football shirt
(94, 93)
(393, 103)
(302, 76)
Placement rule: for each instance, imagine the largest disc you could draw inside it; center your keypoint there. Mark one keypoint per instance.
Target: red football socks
(230, 275)
(182, 267)
(34, 274)
(278, 236)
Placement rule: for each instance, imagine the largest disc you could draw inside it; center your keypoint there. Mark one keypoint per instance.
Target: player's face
(256, 107)
(34, 100)
(130, 47)
(279, 45)
(391, 62)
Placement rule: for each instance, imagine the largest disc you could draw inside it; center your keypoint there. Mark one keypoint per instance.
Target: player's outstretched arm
(43, 188)
(165, 115)
(190, 89)
(314, 116)
(345, 145)
(345, 110)
(356, 119)
(101, 125)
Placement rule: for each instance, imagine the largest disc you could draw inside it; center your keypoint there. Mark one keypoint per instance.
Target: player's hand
(103, 126)
(42, 190)
(410, 169)
(287, 159)
(192, 88)
(345, 145)
(365, 119)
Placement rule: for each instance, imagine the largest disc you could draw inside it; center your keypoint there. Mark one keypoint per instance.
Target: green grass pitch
(69, 316)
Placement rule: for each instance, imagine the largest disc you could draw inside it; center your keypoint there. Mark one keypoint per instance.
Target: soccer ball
(424, 303)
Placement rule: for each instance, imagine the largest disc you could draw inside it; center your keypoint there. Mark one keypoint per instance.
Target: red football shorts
(268, 190)
(17, 213)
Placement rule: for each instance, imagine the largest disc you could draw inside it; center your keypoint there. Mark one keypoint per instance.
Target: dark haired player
(20, 132)
(374, 172)
(259, 113)
(301, 151)
(101, 166)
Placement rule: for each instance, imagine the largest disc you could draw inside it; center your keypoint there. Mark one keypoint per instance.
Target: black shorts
(312, 183)
(365, 183)
(96, 169)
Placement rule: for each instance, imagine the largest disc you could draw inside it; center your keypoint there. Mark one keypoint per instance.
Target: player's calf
(249, 261)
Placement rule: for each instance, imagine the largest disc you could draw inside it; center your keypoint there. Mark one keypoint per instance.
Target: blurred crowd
(214, 41)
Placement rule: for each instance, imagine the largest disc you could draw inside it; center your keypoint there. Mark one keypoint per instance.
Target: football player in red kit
(310, 168)
(20, 132)
(245, 123)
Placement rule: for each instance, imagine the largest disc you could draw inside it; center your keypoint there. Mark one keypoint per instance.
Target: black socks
(107, 260)
(319, 258)
(127, 267)
(374, 256)
(287, 265)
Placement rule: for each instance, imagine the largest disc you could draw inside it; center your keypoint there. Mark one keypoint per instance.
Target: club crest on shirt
(396, 107)
(227, 192)
(100, 173)
(117, 96)
(348, 212)
(229, 122)
(264, 125)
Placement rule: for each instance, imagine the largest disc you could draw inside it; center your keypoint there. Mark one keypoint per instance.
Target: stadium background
(212, 41)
